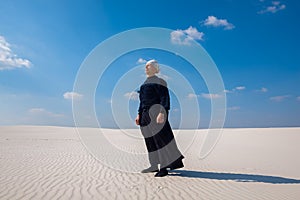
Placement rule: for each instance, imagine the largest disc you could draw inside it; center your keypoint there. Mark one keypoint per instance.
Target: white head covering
(153, 63)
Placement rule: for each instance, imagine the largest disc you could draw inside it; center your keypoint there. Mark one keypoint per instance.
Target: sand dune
(40, 162)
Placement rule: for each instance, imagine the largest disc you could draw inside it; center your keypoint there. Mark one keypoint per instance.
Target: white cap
(153, 63)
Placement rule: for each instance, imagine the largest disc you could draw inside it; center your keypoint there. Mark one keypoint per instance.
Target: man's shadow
(234, 177)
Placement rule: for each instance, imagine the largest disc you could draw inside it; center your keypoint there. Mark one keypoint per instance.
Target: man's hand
(160, 118)
(137, 120)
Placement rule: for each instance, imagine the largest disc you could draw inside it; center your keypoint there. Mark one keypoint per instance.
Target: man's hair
(153, 63)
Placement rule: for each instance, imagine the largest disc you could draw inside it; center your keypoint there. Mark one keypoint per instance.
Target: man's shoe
(150, 169)
(177, 165)
(161, 173)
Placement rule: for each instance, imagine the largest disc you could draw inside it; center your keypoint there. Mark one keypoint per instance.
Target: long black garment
(159, 138)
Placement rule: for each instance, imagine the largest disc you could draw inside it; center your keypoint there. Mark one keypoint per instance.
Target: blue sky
(254, 44)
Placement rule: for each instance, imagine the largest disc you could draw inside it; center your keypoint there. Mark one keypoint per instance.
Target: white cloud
(9, 60)
(41, 116)
(211, 96)
(185, 37)
(298, 98)
(280, 98)
(44, 112)
(194, 33)
(109, 101)
(192, 96)
(36, 110)
(175, 109)
(263, 89)
(215, 22)
(273, 8)
(228, 91)
(72, 95)
(239, 88)
(132, 96)
(141, 61)
(234, 108)
(204, 95)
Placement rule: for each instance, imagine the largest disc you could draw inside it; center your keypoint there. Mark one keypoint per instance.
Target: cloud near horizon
(263, 89)
(280, 98)
(204, 95)
(8, 59)
(42, 111)
(211, 96)
(72, 95)
(192, 96)
(233, 108)
(238, 88)
(132, 96)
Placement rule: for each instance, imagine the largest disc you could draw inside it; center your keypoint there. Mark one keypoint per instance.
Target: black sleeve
(164, 95)
(140, 104)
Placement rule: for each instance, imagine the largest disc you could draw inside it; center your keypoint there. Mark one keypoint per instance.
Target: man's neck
(149, 76)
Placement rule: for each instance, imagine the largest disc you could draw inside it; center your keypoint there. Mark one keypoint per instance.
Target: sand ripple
(52, 163)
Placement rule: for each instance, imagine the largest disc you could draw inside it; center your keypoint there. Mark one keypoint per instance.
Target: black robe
(159, 138)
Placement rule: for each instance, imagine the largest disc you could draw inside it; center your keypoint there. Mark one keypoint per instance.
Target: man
(152, 118)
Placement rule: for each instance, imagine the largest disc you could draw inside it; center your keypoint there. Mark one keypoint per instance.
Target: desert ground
(43, 162)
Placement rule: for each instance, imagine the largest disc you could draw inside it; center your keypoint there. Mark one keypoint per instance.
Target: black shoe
(150, 169)
(161, 173)
(177, 165)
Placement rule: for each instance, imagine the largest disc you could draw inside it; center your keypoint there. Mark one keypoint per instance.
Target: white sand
(52, 163)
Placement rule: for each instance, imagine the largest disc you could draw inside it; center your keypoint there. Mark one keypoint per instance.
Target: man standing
(152, 118)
